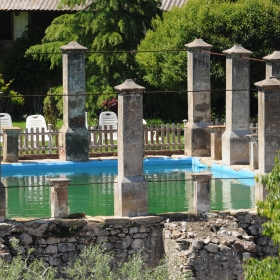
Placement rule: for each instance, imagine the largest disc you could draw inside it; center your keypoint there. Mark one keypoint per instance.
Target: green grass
(22, 124)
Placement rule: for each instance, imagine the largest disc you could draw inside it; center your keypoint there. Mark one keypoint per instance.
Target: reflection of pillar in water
(213, 184)
(226, 194)
(189, 185)
(252, 196)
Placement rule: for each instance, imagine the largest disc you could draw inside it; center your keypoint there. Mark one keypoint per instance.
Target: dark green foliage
(269, 268)
(9, 97)
(270, 207)
(104, 26)
(255, 24)
(29, 77)
(53, 106)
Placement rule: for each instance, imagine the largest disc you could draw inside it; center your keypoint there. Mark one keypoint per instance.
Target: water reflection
(92, 192)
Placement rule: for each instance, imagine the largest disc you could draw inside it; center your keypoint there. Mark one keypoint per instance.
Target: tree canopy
(104, 26)
(255, 24)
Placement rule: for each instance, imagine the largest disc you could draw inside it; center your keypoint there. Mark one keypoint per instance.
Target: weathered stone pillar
(197, 138)
(131, 187)
(73, 136)
(216, 141)
(268, 129)
(235, 146)
(2, 202)
(59, 197)
(253, 151)
(268, 122)
(10, 144)
(273, 65)
(201, 201)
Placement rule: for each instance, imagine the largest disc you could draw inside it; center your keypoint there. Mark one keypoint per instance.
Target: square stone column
(197, 137)
(272, 66)
(73, 136)
(253, 149)
(59, 197)
(201, 201)
(10, 144)
(2, 202)
(216, 141)
(235, 145)
(268, 129)
(268, 123)
(131, 187)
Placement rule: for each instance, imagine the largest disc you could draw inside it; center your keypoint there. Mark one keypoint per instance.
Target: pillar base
(197, 139)
(235, 147)
(76, 144)
(131, 196)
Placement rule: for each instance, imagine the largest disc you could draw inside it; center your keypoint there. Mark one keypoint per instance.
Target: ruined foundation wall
(215, 245)
(210, 246)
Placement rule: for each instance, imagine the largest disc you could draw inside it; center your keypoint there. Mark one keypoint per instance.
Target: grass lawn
(21, 124)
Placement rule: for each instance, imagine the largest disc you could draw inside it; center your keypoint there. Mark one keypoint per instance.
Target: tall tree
(255, 24)
(104, 26)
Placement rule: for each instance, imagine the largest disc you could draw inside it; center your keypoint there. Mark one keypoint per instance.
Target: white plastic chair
(37, 121)
(109, 118)
(5, 120)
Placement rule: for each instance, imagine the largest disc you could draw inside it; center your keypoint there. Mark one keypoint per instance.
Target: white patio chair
(108, 118)
(37, 121)
(5, 120)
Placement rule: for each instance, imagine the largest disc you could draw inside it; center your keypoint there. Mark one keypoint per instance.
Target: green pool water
(169, 190)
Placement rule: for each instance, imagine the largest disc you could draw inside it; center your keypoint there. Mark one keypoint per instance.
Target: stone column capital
(274, 56)
(11, 130)
(73, 46)
(238, 50)
(267, 84)
(198, 44)
(58, 182)
(201, 177)
(129, 86)
(216, 128)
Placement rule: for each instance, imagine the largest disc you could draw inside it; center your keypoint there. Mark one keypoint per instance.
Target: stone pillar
(268, 129)
(2, 202)
(197, 138)
(10, 144)
(253, 151)
(201, 201)
(131, 187)
(235, 146)
(268, 123)
(216, 141)
(273, 65)
(73, 136)
(59, 197)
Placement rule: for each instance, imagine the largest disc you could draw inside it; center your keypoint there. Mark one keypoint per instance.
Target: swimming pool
(170, 187)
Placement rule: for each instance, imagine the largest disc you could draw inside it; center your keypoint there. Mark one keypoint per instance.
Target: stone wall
(57, 241)
(214, 246)
(210, 246)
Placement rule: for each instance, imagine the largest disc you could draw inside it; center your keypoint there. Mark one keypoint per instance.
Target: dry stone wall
(214, 245)
(210, 246)
(57, 241)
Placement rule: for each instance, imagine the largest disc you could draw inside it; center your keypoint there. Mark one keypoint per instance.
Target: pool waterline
(91, 188)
